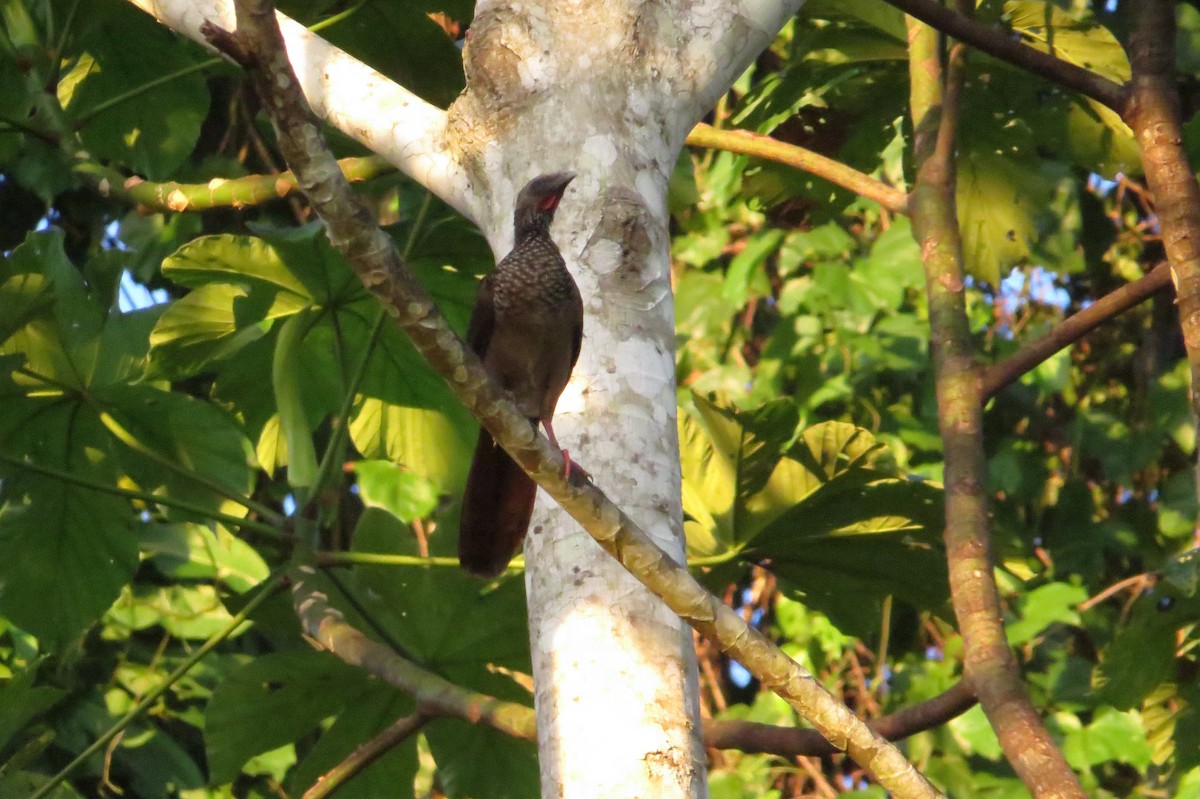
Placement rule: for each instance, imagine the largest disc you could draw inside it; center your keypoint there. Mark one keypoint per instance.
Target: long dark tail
(497, 504)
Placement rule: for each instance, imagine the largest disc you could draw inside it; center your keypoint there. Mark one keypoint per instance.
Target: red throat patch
(549, 203)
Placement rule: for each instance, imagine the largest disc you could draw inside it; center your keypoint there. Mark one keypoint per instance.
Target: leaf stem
(379, 559)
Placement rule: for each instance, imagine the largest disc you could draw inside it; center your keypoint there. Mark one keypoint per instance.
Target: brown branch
(988, 663)
(435, 695)
(258, 46)
(1001, 44)
(789, 742)
(1075, 327)
(396, 733)
(760, 146)
(1154, 116)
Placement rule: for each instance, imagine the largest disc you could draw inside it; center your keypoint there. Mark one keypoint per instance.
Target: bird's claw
(573, 473)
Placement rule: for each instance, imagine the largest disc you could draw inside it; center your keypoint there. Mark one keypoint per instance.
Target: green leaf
(1111, 736)
(382, 484)
(239, 283)
(285, 368)
(827, 512)
(744, 268)
(443, 617)
(1142, 656)
(20, 702)
(429, 443)
(153, 132)
(475, 760)
(975, 735)
(190, 612)
(1084, 43)
(998, 200)
(195, 552)
(272, 701)
(65, 551)
(196, 436)
(1053, 603)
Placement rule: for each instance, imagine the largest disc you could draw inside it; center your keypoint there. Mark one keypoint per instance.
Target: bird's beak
(563, 178)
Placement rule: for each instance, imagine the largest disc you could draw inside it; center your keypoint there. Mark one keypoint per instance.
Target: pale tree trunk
(607, 89)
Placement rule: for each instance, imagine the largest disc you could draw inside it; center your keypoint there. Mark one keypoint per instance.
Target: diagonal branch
(396, 733)
(436, 696)
(1001, 44)
(1073, 328)
(988, 663)
(348, 95)
(258, 45)
(760, 146)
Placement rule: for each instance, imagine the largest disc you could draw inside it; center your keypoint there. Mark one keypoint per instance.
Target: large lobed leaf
(825, 512)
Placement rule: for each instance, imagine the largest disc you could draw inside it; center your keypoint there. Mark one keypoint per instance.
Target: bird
(527, 328)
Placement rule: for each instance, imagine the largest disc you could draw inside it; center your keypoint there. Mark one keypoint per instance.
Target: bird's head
(538, 201)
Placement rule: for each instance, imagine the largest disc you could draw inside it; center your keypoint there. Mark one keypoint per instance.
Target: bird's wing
(483, 318)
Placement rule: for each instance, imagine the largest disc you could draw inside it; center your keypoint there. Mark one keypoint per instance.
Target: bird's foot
(573, 473)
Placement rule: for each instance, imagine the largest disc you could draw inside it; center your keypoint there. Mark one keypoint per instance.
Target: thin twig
(396, 733)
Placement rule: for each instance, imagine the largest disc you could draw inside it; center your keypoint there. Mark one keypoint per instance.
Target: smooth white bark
(348, 94)
(608, 89)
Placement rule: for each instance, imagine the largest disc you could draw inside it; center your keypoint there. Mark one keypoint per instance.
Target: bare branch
(435, 696)
(217, 193)
(1154, 116)
(789, 742)
(747, 143)
(1075, 327)
(1002, 45)
(395, 734)
(988, 663)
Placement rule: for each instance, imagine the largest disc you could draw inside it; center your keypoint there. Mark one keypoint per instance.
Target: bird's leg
(567, 464)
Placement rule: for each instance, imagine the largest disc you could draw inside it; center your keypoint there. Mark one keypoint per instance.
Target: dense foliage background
(182, 365)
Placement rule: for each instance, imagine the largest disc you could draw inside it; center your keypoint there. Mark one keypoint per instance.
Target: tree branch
(435, 696)
(1154, 116)
(1075, 327)
(793, 742)
(760, 146)
(371, 253)
(988, 663)
(395, 734)
(348, 95)
(1002, 45)
(218, 192)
